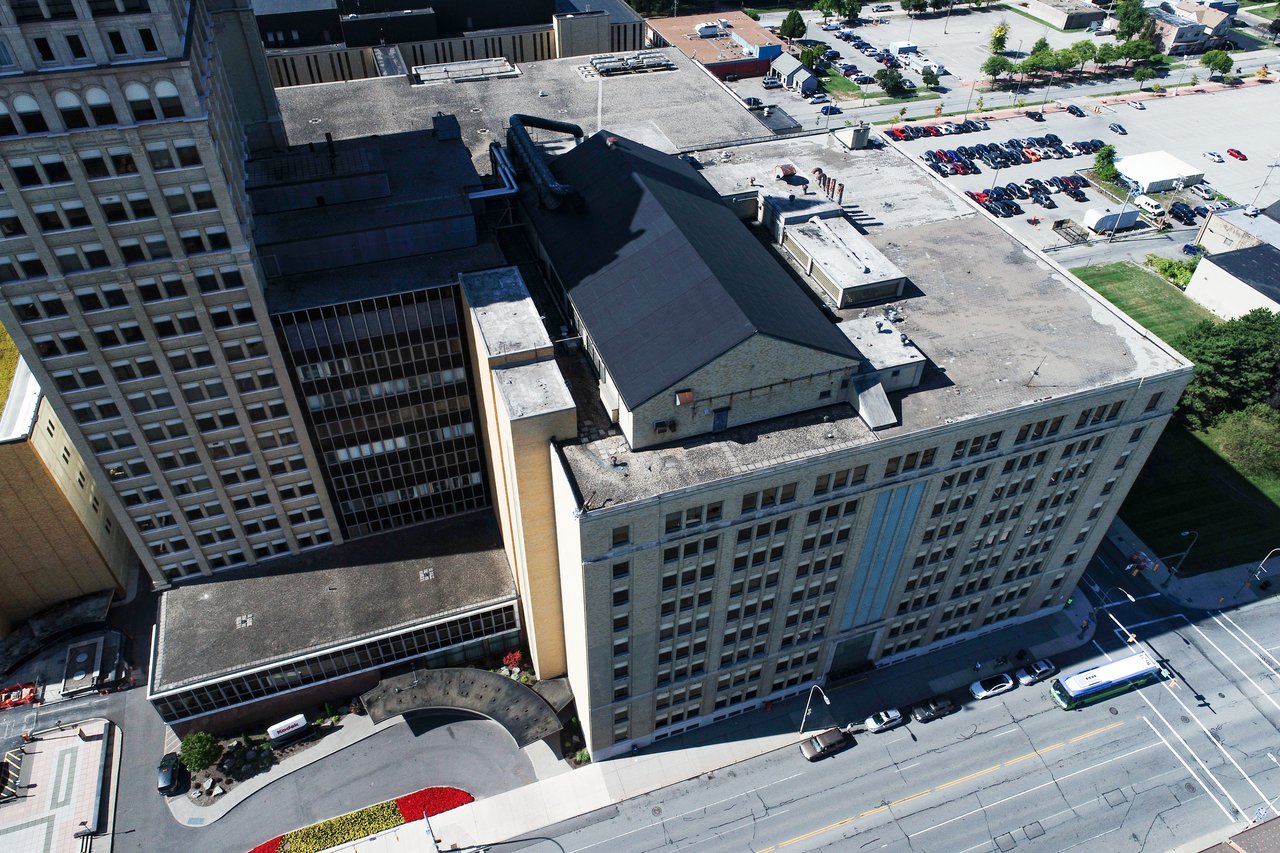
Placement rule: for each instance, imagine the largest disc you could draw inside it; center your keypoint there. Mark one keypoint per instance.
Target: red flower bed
(431, 801)
(268, 846)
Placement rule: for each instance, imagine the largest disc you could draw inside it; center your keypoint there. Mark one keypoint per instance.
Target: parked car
(932, 709)
(864, 80)
(1236, 153)
(1137, 105)
(882, 7)
(1075, 111)
(1204, 191)
(1182, 212)
(1038, 671)
(882, 721)
(830, 27)
(1117, 127)
(1035, 115)
(908, 85)
(1201, 211)
(169, 775)
(1213, 155)
(820, 98)
(753, 103)
(992, 685)
(826, 743)
(772, 83)
(1191, 249)
(830, 110)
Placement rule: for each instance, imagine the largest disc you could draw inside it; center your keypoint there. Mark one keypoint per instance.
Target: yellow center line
(1078, 738)
(909, 799)
(941, 787)
(967, 778)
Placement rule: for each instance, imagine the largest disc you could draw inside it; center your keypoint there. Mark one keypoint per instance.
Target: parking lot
(1184, 127)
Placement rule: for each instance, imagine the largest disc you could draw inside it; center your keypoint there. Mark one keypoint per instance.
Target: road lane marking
(1252, 646)
(685, 814)
(1006, 732)
(954, 782)
(909, 766)
(1230, 660)
(1053, 781)
(908, 799)
(1183, 762)
(1187, 747)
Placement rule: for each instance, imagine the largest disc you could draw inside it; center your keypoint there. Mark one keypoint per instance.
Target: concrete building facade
(864, 508)
(59, 540)
(128, 280)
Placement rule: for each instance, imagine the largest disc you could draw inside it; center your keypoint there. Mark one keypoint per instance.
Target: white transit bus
(1103, 682)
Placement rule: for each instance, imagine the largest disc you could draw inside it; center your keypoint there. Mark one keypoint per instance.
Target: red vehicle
(18, 694)
(1236, 153)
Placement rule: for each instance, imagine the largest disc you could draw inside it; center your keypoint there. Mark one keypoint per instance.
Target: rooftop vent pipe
(551, 192)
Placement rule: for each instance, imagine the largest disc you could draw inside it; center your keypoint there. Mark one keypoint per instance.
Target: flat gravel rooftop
(305, 604)
(1001, 326)
(667, 110)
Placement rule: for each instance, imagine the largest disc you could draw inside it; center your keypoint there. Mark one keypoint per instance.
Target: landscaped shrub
(339, 830)
(431, 801)
(1175, 270)
(199, 750)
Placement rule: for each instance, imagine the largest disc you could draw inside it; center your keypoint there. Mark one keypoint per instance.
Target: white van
(1149, 205)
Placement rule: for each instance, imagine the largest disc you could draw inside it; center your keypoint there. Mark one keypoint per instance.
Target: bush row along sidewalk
(365, 822)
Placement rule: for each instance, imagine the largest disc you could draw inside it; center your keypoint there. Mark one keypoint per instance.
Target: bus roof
(1123, 669)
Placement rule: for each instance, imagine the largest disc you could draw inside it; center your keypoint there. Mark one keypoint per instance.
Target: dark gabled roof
(663, 274)
(1257, 266)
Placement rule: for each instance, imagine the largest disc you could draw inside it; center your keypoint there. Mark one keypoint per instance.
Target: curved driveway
(474, 755)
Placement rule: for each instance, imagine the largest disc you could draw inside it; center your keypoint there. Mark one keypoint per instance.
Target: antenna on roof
(1036, 372)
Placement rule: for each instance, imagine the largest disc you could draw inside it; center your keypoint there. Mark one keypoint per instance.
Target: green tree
(930, 77)
(938, 5)
(1195, 80)
(914, 6)
(1137, 50)
(1063, 60)
(1041, 46)
(1217, 61)
(995, 66)
(1142, 75)
(999, 37)
(850, 9)
(199, 750)
(1274, 29)
(1084, 52)
(793, 26)
(890, 81)
(1131, 18)
(828, 8)
(811, 54)
(1251, 439)
(1236, 365)
(1104, 164)
(1108, 53)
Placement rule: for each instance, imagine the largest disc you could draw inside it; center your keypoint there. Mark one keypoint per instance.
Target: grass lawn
(1187, 484)
(840, 85)
(1024, 13)
(1270, 12)
(8, 364)
(1145, 297)
(919, 96)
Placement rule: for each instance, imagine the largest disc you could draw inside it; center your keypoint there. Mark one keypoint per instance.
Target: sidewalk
(1230, 587)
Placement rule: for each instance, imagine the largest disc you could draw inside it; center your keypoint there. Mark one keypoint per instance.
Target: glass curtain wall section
(385, 390)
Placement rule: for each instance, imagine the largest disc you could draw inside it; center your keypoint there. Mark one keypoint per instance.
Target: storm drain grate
(1033, 830)
(1005, 842)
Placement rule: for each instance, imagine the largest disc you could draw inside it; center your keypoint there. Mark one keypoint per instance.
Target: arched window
(170, 102)
(29, 111)
(7, 127)
(100, 106)
(140, 102)
(73, 115)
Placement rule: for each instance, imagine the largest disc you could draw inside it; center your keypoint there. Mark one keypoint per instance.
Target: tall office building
(128, 277)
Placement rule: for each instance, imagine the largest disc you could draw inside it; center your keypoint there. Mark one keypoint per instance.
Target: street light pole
(950, 7)
(1129, 635)
(1262, 567)
(1263, 185)
(1195, 535)
(821, 693)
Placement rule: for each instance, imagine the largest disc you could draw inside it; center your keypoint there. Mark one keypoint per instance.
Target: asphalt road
(1149, 770)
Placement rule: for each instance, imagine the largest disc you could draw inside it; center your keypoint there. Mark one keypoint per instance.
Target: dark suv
(932, 709)
(1182, 212)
